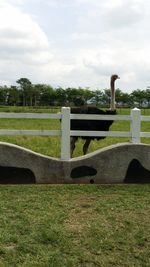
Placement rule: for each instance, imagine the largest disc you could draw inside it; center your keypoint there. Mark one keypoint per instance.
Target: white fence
(65, 116)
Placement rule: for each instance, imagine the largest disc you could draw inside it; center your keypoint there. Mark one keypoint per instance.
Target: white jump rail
(65, 116)
(13, 115)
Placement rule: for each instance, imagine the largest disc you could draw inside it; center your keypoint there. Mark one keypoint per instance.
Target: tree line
(27, 94)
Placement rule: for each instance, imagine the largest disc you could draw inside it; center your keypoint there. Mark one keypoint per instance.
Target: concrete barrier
(121, 163)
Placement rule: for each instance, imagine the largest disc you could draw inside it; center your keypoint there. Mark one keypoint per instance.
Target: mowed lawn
(72, 225)
(75, 226)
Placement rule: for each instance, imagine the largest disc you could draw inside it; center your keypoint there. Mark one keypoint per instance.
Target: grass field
(75, 226)
(51, 145)
(68, 225)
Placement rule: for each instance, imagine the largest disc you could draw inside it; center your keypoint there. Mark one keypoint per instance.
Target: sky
(75, 43)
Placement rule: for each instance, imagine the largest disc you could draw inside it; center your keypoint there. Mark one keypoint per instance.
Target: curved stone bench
(121, 163)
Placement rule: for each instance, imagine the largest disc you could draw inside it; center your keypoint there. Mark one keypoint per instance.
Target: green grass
(42, 144)
(75, 226)
(29, 109)
(68, 225)
(51, 145)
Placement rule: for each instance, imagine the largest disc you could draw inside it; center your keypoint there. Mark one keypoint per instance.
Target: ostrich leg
(72, 144)
(86, 146)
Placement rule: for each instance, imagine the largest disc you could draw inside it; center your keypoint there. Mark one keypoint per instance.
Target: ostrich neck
(112, 85)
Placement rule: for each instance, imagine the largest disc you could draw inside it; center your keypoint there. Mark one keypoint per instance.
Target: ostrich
(93, 125)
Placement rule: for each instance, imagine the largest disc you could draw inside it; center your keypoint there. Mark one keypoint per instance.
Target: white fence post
(135, 125)
(65, 136)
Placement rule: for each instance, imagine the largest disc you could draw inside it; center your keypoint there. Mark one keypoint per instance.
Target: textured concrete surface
(121, 163)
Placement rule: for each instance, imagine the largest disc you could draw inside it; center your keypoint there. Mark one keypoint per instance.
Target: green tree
(60, 97)
(138, 97)
(13, 97)
(85, 94)
(78, 96)
(36, 94)
(97, 97)
(72, 95)
(147, 96)
(26, 87)
(47, 96)
(126, 100)
(3, 95)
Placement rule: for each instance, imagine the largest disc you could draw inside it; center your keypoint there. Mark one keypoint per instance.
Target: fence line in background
(65, 116)
(14, 115)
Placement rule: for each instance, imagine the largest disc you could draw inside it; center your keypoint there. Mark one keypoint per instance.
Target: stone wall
(121, 163)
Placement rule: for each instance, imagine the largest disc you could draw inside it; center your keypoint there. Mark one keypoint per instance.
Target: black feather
(91, 125)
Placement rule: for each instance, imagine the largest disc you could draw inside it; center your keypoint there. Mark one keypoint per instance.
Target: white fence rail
(65, 116)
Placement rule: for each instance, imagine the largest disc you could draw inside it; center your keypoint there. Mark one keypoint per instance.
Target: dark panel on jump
(136, 173)
(15, 175)
(83, 171)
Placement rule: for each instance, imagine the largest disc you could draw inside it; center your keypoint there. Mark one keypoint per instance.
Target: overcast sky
(75, 42)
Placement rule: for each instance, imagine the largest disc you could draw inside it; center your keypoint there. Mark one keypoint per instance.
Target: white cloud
(110, 16)
(61, 3)
(126, 14)
(19, 31)
(22, 41)
(75, 43)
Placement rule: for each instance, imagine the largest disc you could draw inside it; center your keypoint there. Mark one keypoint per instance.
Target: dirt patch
(85, 201)
(10, 247)
(81, 214)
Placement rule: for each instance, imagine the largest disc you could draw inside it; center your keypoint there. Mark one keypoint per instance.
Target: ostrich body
(93, 125)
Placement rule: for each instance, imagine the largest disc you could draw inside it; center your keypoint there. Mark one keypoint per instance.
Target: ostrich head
(114, 77)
